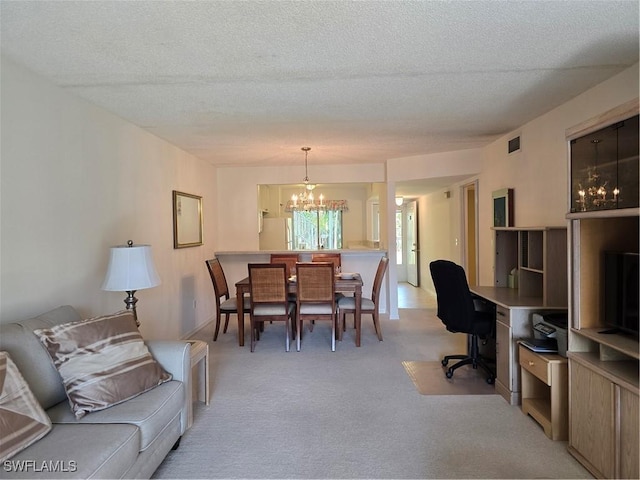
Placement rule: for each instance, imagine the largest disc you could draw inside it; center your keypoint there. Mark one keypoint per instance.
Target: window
(317, 229)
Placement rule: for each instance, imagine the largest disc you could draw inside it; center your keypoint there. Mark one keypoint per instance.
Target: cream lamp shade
(130, 268)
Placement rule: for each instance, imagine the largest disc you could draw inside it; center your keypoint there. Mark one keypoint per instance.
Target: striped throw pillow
(22, 420)
(103, 361)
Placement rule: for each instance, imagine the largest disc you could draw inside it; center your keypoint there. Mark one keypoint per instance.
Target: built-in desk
(513, 322)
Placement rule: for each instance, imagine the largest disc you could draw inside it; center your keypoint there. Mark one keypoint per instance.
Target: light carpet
(429, 379)
(354, 413)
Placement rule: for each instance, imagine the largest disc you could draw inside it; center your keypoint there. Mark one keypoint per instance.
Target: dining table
(344, 283)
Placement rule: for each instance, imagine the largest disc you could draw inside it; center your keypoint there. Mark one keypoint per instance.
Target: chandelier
(592, 194)
(305, 199)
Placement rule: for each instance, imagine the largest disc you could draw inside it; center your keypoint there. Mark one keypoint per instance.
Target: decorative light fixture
(593, 194)
(399, 201)
(305, 200)
(130, 269)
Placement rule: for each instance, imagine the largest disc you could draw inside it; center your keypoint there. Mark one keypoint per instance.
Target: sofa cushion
(102, 361)
(22, 420)
(151, 412)
(78, 451)
(30, 356)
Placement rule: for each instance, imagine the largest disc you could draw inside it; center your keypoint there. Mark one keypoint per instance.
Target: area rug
(429, 379)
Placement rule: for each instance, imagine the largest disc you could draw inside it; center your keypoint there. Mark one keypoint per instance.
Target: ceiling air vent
(514, 144)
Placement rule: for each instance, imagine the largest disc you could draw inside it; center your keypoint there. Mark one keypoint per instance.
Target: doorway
(411, 243)
(470, 231)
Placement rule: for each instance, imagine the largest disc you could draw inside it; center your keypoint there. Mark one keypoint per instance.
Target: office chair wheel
(491, 380)
(449, 373)
(445, 362)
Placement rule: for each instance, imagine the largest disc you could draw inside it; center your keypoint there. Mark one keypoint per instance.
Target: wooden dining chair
(334, 258)
(229, 304)
(289, 259)
(368, 305)
(315, 296)
(268, 298)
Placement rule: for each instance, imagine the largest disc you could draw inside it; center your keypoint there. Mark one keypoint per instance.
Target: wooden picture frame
(503, 208)
(187, 220)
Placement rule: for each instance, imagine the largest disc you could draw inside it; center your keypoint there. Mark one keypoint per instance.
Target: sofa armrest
(175, 358)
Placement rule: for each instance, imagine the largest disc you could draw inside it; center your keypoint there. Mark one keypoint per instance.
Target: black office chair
(458, 312)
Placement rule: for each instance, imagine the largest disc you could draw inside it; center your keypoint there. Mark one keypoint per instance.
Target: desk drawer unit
(545, 391)
(535, 364)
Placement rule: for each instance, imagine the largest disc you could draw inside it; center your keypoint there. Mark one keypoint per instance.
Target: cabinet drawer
(535, 364)
(503, 315)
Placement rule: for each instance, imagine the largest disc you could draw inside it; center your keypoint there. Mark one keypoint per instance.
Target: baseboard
(194, 332)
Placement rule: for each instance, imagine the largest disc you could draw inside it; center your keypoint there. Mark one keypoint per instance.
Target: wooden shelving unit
(540, 256)
(603, 367)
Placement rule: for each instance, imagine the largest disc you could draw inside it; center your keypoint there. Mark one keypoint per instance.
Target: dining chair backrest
(268, 283)
(377, 281)
(315, 282)
(268, 291)
(217, 277)
(334, 258)
(289, 259)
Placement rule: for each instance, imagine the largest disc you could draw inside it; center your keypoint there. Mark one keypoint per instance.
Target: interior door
(412, 245)
(470, 237)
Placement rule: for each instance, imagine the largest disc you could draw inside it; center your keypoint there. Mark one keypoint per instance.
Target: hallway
(414, 297)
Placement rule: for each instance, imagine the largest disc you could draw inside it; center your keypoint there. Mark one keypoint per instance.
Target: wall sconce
(399, 201)
(130, 268)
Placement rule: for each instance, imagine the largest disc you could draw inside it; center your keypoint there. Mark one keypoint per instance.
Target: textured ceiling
(250, 82)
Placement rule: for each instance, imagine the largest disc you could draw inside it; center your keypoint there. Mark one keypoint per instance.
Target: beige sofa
(128, 440)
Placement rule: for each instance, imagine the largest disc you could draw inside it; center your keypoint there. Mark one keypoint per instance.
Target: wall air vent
(514, 144)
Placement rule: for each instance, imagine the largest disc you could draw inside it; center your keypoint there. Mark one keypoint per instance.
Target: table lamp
(130, 269)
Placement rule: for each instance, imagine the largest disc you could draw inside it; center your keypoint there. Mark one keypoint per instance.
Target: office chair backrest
(455, 303)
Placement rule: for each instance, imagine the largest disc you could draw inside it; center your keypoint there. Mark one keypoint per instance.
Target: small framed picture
(187, 220)
(503, 208)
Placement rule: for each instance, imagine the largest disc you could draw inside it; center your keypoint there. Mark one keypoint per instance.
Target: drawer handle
(531, 364)
(500, 313)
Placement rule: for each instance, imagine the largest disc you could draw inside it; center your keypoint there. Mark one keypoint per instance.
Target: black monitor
(621, 291)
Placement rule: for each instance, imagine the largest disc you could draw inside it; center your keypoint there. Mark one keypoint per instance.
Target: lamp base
(130, 302)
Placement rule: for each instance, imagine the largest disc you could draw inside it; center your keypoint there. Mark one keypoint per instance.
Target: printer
(552, 325)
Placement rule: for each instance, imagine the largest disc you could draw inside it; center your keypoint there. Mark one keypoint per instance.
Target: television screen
(621, 291)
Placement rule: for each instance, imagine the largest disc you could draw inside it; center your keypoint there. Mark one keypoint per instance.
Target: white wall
(539, 173)
(76, 180)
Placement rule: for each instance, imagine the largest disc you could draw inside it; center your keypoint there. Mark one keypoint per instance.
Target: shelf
(620, 212)
(533, 270)
(623, 344)
(540, 410)
(621, 372)
(539, 255)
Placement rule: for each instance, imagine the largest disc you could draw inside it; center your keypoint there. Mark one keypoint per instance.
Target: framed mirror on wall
(187, 220)
(503, 208)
